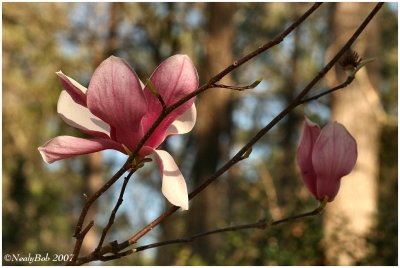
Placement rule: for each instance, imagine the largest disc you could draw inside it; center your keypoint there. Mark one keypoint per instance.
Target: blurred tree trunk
(31, 199)
(351, 216)
(213, 122)
(287, 139)
(93, 166)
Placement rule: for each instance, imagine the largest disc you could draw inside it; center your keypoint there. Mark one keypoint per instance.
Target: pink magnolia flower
(117, 110)
(324, 157)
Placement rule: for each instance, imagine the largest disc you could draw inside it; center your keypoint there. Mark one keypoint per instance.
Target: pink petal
(184, 123)
(173, 184)
(115, 96)
(74, 89)
(62, 147)
(80, 117)
(308, 137)
(174, 78)
(334, 156)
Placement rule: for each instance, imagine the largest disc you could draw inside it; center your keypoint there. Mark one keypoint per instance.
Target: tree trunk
(351, 216)
(213, 122)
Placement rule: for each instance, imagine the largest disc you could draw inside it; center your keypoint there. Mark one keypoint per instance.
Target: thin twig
(278, 39)
(79, 235)
(261, 133)
(237, 88)
(135, 166)
(79, 241)
(117, 255)
(261, 224)
(237, 157)
(114, 212)
(161, 100)
(343, 85)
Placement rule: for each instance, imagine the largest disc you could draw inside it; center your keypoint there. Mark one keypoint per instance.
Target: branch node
(86, 230)
(247, 153)
(114, 246)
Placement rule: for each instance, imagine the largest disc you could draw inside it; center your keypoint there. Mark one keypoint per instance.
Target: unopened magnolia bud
(324, 157)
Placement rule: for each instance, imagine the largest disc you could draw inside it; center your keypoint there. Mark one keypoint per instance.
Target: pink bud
(324, 157)
(304, 152)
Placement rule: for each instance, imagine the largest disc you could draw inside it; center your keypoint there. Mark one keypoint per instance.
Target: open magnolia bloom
(117, 110)
(324, 157)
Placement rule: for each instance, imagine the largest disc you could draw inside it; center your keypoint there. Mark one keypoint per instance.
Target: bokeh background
(41, 202)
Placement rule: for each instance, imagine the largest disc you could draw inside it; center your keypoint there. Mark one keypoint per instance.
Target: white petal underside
(75, 83)
(79, 116)
(173, 184)
(184, 123)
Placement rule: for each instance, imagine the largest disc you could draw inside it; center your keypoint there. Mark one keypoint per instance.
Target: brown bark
(351, 216)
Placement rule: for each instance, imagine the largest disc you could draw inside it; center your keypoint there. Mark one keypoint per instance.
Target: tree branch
(298, 100)
(278, 39)
(137, 164)
(79, 234)
(114, 212)
(261, 133)
(79, 240)
(261, 224)
(329, 91)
